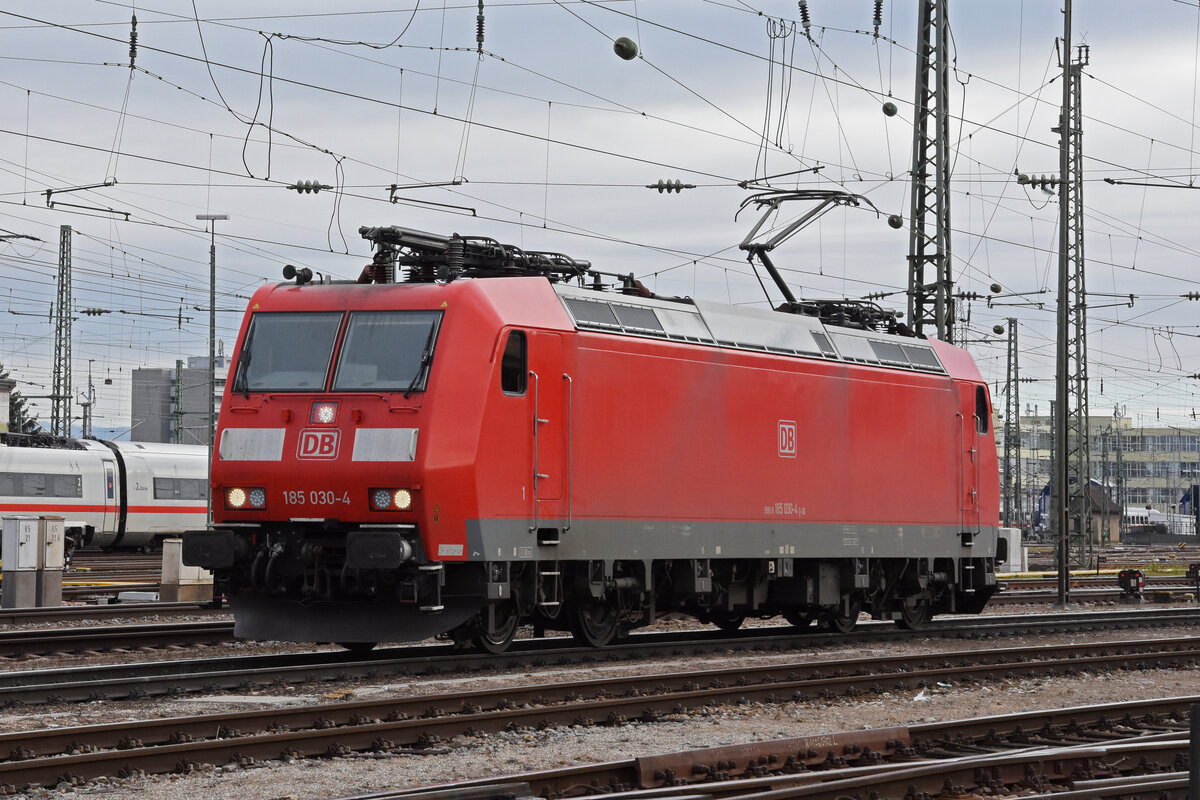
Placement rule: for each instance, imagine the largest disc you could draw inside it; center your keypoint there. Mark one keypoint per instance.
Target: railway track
(175, 677)
(1063, 749)
(104, 611)
(419, 723)
(1079, 581)
(125, 635)
(49, 641)
(1089, 596)
(1017, 592)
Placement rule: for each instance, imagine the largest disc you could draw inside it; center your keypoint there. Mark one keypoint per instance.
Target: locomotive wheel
(837, 622)
(727, 620)
(915, 612)
(594, 622)
(799, 619)
(508, 619)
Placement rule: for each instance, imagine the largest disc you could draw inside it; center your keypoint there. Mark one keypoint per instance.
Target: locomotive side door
(974, 420)
(548, 404)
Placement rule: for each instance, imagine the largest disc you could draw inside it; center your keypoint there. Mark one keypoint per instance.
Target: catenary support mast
(1012, 433)
(930, 304)
(60, 395)
(1073, 468)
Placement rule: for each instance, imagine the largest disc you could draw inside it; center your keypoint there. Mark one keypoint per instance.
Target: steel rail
(113, 637)
(773, 768)
(666, 690)
(190, 675)
(177, 744)
(44, 614)
(821, 766)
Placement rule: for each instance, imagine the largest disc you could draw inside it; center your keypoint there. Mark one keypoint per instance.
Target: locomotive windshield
(387, 350)
(287, 351)
(382, 350)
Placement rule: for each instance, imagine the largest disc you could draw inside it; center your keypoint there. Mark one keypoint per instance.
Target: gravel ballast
(470, 757)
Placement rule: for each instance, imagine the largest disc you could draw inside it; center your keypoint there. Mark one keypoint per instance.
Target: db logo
(318, 444)
(787, 438)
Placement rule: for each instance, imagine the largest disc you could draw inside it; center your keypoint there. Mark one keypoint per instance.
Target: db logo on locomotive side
(318, 444)
(787, 438)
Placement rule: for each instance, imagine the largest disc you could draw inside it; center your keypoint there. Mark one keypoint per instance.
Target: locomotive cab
(320, 477)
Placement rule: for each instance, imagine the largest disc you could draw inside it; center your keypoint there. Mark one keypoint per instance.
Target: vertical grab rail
(537, 420)
(570, 447)
(962, 478)
(976, 473)
(976, 461)
(533, 527)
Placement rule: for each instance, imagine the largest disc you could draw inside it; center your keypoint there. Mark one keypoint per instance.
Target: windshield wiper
(426, 357)
(239, 378)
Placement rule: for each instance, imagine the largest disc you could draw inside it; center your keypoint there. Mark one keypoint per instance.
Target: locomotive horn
(302, 275)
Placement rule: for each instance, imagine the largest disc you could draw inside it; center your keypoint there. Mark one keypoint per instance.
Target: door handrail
(570, 447)
(536, 420)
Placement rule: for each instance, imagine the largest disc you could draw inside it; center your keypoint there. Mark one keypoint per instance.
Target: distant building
(171, 405)
(1142, 465)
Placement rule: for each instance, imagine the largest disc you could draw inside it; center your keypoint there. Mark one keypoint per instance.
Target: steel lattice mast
(60, 395)
(1012, 433)
(930, 304)
(1073, 469)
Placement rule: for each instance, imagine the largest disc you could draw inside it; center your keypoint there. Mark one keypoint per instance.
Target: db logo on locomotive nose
(318, 444)
(787, 438)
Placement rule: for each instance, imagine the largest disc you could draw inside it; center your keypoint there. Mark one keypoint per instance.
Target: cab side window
(514, 365)
(981, 409)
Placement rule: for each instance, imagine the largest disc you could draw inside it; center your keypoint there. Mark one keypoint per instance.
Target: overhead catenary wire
(975, 194)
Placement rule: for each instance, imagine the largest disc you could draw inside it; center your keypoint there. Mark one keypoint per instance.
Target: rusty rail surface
(113, 637)
(190, 675)
(1113, 750)
(105, 611)
(179, 744)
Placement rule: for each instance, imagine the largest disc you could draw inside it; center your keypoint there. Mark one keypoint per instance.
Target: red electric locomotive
(497, 437)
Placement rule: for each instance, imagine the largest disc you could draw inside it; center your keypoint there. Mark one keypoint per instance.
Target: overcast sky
(553, 138)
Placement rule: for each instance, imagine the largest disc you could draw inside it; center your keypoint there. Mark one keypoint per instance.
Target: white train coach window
(180, 489)
(40, 484)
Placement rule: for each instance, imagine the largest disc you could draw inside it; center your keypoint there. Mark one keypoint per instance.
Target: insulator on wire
(670, 186)
(804, 18)
(1043, 182)
(878, 15)
(133, 41)
(309, 187)
(479, 30)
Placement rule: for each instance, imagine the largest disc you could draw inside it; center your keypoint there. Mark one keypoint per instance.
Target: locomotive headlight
(402, 499)
(323, 413)
(237, 497)
(391, 499)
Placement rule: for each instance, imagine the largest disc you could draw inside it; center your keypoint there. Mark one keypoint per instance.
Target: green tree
(19, 420)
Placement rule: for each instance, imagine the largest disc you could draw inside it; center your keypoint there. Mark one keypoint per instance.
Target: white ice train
(113, 495)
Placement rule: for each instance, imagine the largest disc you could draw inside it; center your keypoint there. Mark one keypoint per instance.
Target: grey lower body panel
(512, 540)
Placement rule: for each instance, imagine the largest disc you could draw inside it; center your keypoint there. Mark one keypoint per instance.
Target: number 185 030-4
(315, 497)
